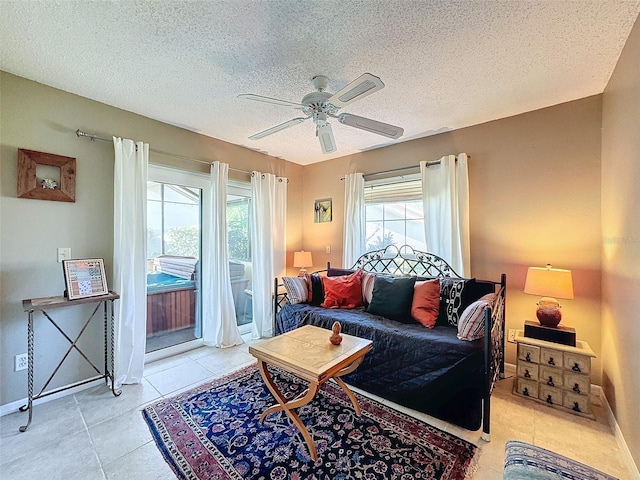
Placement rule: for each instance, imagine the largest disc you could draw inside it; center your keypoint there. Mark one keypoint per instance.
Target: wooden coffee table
(307, 353)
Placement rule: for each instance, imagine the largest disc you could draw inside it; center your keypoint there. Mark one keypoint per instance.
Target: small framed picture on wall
(322, 210)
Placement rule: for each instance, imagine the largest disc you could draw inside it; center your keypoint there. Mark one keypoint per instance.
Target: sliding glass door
(238, 214)
(174, 245)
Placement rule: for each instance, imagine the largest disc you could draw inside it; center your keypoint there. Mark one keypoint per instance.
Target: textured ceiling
(445, 64)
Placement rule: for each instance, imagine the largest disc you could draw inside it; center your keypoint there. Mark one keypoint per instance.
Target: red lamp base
(549, 317)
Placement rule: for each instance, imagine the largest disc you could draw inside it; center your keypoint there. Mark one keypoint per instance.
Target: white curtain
(268, 245)
(445, 196)
(355, 229)
(219, 325)
(130, 258)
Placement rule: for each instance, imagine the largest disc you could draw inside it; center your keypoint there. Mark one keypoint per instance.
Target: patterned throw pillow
(296, 288)
(456, 295)
(471, 324)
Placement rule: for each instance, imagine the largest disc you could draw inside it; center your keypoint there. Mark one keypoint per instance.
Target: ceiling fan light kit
(325, 135)
(320, 105)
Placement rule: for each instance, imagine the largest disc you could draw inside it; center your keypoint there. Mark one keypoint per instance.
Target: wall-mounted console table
(33, 305)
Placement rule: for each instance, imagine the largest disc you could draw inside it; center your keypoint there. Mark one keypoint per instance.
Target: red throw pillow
(343, 292)
(426, 302)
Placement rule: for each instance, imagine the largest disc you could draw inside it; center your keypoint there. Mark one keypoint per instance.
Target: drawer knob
(576, 408)
(576, 367)
(549, 400)
(528, 357)
(525, 391)
(526, 373)
(550, 382)
(576, 388)
(551, 362)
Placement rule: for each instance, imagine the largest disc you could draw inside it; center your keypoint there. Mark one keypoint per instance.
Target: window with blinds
(394, 214)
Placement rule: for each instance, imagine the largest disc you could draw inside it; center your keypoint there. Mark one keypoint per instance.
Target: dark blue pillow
(316, 290)
(392, 297)
(339, 272)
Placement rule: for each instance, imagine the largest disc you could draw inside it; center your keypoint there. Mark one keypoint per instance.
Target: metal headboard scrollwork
(405, 260)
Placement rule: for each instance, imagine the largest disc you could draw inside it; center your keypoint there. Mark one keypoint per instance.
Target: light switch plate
(64, 253)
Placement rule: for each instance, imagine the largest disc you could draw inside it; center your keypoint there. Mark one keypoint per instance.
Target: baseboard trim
(622, 444)
(12, 407)
(509, 368)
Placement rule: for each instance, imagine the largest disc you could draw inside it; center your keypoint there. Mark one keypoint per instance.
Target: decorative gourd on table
(335, 337)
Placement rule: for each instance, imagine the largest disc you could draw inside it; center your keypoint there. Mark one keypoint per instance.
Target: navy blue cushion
(316, 290)
(392, 297)
(339, 272)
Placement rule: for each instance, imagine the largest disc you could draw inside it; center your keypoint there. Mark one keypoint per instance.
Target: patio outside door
(174, 245)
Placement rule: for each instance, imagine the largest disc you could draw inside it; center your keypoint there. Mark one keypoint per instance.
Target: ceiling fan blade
(325, 135)
(364, 85)
(369, 125)
(260, 98)
(277, 128)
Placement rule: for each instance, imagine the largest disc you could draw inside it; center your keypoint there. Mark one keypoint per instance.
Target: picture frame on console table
(84, 278)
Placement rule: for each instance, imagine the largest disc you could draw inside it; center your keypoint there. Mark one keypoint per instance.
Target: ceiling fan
(321, 105)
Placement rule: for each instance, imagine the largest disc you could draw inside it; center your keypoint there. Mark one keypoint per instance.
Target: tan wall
(535, 199)
(38, 117)
(621, 242)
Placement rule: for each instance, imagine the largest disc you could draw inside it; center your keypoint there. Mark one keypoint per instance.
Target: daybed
(428, 369)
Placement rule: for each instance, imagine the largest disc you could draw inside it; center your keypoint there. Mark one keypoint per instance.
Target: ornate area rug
(212, 432)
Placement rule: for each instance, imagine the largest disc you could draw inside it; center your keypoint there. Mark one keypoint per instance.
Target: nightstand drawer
(528, 388)
(577, 403)
(550, 395)
(528, 370)
(577, 363)
(576, 383)
(529, 353)
(550, 357)
(550, 376)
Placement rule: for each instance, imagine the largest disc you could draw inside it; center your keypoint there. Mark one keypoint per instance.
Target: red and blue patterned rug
(212, 432)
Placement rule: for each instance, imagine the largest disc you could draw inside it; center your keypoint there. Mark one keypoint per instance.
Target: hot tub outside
(171, 303)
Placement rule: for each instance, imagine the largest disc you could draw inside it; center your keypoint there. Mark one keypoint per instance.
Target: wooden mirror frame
(28, 186)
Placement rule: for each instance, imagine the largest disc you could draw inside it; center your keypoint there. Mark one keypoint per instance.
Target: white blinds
(405, 188)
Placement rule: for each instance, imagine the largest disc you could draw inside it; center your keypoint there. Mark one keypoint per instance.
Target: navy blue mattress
(429, 370)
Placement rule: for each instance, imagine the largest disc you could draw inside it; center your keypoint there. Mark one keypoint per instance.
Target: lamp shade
(549, 282)
(302, 259)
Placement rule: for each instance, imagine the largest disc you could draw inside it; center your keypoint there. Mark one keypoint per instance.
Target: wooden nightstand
(555, 374)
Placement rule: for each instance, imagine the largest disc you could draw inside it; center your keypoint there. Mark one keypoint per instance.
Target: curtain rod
(400, 169)
(93, 137)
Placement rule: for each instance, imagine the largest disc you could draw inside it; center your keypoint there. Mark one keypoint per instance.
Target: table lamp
(549, 283)
(302, 260)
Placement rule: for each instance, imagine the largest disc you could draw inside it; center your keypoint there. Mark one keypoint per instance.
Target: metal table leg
(29, 405)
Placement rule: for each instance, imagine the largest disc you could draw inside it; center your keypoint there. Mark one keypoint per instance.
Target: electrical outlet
(512, 335)
(21, 362)
(327, 249)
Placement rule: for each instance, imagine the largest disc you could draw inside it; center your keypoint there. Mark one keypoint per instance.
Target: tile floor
(93, 435)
